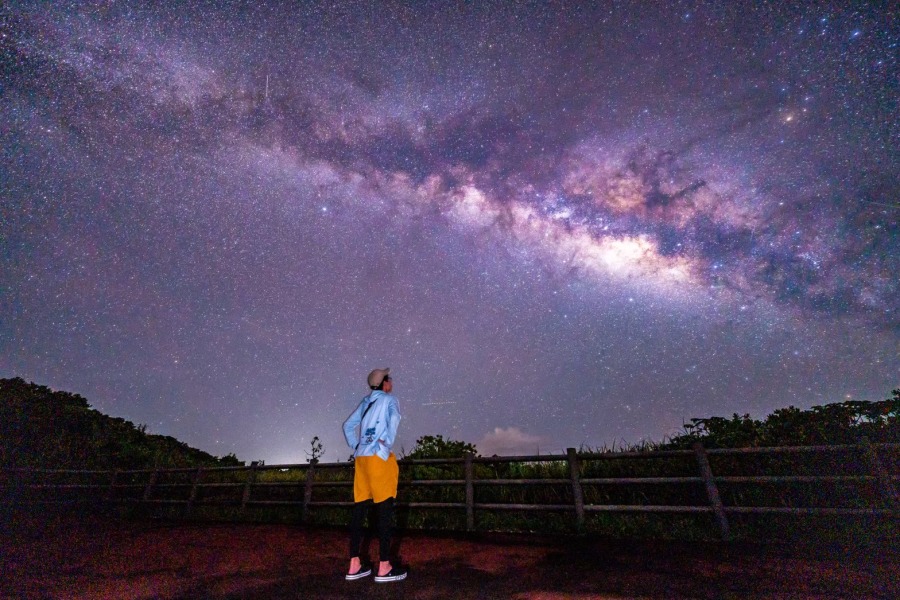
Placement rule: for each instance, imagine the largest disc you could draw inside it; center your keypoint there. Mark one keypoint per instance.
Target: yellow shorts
(375, 479)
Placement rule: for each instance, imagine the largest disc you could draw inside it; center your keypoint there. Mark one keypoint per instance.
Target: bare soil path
(86, 558)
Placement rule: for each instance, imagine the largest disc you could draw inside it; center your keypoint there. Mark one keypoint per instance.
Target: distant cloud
(510, 441)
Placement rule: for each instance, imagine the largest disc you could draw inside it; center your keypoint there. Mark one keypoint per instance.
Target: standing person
(370, 430)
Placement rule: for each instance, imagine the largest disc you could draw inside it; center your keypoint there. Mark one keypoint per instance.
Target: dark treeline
(42, 428)
(831, 424)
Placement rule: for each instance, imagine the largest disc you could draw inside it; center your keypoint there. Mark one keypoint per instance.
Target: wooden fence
(874, 466)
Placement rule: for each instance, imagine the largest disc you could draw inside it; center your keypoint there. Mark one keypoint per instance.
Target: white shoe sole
(387, 579)
(356, 576)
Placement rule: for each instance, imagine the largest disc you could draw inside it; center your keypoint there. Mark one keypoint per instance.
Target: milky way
(559, 226)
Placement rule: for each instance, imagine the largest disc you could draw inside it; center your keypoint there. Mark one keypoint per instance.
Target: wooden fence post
(195, 489)
(307, 492)
(470, 493)
(887, 488)
(154, 477)
(251, 479)
(577, 493)
(112, 485)
(712, 491)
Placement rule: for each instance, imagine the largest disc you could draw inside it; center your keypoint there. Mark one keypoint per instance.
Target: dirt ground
(81, 557)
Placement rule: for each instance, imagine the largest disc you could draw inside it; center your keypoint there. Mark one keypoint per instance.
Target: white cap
(377, 376)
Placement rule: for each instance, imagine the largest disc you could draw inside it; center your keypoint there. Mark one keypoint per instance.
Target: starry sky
(558, 224)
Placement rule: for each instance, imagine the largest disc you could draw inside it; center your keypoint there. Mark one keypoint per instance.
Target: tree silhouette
(40, 427)
(316, 450)
(837, 423)
(435, 446)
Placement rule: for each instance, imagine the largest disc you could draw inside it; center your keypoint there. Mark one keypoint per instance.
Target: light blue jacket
(375, 434)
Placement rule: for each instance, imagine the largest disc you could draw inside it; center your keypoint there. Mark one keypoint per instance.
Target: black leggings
(385, 523)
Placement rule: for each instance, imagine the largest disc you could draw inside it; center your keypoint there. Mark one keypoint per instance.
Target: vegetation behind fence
(694, 493)
(719, 477)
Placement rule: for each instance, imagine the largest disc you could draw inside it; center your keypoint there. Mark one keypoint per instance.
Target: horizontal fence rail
(569, 475)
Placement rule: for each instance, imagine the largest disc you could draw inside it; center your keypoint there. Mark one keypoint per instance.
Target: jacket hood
(376, 394)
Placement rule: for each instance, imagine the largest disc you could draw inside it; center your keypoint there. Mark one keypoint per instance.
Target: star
(598, 222)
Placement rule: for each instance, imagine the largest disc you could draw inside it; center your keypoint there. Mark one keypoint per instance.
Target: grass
(222, 495)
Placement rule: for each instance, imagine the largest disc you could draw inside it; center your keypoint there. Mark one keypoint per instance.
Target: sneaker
(395, 574)
(364, 571)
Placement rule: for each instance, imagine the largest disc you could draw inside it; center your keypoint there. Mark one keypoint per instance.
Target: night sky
(558, 225)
